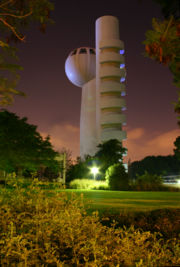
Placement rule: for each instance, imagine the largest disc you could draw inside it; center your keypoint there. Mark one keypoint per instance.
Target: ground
(115, 201)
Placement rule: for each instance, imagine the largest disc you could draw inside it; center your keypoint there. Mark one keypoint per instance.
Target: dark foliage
(81, 169)
(22, 147)
(117, 177)
(165, 221)
(177, 148)
(160, 165)
(163, 42)
(109, 153)
(169, 7)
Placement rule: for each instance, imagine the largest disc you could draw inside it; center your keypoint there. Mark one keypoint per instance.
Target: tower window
(123, 93)
(122, 66)
(83, 51)
(92, 51)
(122, 79)
(121, 52)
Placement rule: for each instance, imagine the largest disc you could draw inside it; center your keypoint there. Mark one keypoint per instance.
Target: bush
(148, 182)
(56, 231)
(165, 221)
(88, 184)
(116, 177)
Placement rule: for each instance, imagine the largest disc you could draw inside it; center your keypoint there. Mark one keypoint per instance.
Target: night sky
(53, 103)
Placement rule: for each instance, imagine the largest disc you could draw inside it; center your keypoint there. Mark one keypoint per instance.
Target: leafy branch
(163, 45)
(15, 15)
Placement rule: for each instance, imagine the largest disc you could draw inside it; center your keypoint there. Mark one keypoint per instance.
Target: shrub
(41, 230)
(148, 182)
(116, 177)
(88, 184)
(165, 221)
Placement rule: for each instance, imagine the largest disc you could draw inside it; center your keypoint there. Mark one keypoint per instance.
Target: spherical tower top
(80, 66)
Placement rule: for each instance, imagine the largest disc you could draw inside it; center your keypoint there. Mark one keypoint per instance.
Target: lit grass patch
(88, 184)
(102, 199)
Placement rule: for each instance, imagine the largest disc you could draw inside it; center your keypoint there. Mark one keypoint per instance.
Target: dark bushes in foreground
(164, 221)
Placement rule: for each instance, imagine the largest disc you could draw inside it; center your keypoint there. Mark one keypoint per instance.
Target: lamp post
(94, 171)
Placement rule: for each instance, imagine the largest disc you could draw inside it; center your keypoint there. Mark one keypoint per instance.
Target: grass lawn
(114, 201)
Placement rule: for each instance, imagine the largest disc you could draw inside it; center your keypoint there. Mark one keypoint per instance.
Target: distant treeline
(160, 165)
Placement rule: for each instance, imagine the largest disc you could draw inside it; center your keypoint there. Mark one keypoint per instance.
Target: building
(101, 74)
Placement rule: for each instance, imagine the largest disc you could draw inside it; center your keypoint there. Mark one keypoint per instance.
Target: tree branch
(13, 30)
(167, 29)
(16, 16)
(6, 3)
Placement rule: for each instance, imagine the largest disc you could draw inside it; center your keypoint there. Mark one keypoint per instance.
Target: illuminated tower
(101, 76)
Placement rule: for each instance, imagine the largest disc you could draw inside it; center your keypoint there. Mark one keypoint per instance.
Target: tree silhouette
(109, 153)
(22, 147)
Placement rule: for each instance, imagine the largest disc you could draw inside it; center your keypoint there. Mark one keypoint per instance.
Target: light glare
(94, 171)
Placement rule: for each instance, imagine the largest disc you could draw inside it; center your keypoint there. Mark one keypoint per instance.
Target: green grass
(114, 201)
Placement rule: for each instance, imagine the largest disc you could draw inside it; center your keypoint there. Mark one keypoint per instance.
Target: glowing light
(94, 171)
(123, 108)
(121, 52)
(122, 66)
(123, 93)
(122, 79)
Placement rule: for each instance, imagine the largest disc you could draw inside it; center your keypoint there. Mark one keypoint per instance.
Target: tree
(80, 170)
(109, 153)
(177, 148)
(169, 7)
(22, 147)
(160, 165)
(163, 41)
(117, 177)
(148, 182)
(68, 153)
(15, 16)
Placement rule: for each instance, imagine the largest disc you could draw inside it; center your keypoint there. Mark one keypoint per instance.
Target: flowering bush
(44, 228)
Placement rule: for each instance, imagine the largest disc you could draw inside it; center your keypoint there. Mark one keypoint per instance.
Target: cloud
(140, 145)
(165, 141)
(64, 136)
(136, 133)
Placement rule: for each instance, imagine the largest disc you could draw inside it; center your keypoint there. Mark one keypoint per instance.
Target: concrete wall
(110, 72)
(88, 133)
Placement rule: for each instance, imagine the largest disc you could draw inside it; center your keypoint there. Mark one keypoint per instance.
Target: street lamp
(94, 171)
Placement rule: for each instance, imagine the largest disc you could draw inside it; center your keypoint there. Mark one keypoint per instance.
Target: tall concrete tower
(101, 75)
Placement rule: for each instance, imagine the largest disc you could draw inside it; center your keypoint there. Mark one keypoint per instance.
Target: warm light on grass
(88, 184)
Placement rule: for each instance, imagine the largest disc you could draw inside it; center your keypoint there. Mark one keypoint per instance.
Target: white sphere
(80, 66)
